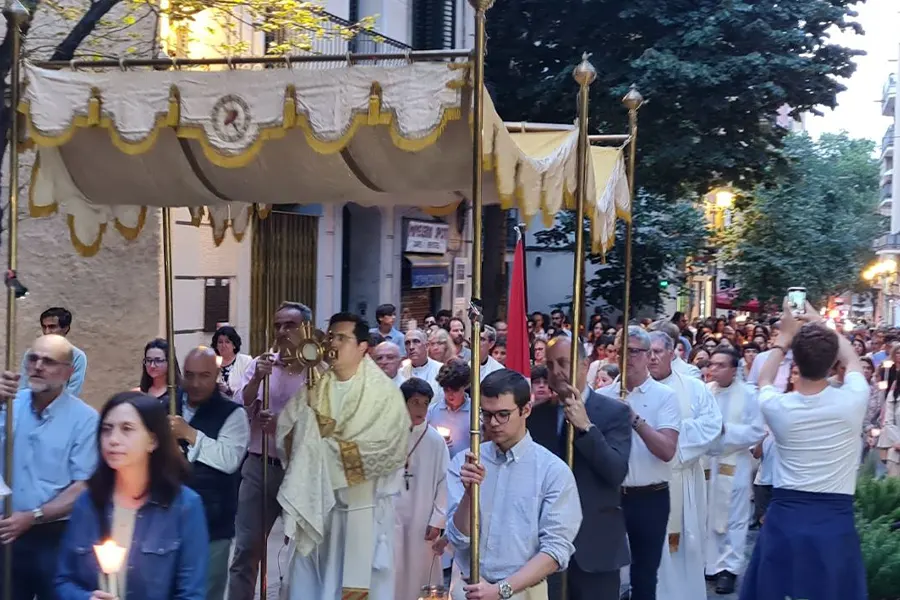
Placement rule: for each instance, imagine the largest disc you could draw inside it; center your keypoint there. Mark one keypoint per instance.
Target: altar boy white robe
(422, 505)
(730, 478)
(680, 575)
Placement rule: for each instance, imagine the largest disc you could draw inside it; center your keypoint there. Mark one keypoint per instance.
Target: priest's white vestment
(680, 575)
(731, 478)
(424, 504)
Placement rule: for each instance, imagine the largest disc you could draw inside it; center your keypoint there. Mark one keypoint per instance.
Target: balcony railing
(887, 191)
(889, 96)
(887, 142)
(887, 243)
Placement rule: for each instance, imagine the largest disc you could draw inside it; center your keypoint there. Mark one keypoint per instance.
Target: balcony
(887, 177)
(889, 96)
(887, 244)
(887, 143)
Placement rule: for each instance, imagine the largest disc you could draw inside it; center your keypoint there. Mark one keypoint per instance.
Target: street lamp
(883, 272)
(724, 199)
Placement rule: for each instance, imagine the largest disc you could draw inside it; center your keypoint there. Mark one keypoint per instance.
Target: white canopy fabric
(112, 143)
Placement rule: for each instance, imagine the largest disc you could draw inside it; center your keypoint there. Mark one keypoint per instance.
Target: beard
(38, 386)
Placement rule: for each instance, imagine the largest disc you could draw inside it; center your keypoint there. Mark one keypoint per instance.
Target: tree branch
(84, 28)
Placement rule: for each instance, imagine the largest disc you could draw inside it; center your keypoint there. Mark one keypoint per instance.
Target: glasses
(154, 362)
(342, 338)
(501, 416)
(637, 351)
(33, 359)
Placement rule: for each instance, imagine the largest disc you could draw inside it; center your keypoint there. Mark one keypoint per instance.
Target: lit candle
(882, 385)
(445, 433)
(218, 361)
(875, 432)
(110, 556)
(887, 364)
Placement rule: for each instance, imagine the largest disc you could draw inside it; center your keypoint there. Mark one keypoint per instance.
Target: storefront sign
(428, 277)
(424, 237)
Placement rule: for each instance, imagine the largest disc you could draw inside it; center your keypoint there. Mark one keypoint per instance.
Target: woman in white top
(227, 344)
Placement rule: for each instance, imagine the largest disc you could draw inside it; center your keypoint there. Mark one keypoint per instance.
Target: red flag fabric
(518, 352)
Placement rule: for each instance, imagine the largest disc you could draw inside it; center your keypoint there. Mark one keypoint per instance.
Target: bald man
(387, 357)
(214, 433)
(54, 453)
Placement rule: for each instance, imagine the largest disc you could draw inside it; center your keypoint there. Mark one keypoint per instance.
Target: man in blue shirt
(58, 321)
(54, 453)
(386, 316)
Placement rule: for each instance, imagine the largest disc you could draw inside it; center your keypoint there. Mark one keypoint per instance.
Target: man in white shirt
(387, 357)
(681, 567)
(809, 547)
(656, 421)
(678, 365)
(730, 471)
(419, 364)
(783, 375)
(530, 508)
(488, 363)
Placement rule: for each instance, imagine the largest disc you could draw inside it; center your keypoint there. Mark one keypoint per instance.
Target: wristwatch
(37, 515)
(506, 591)
(586, 429)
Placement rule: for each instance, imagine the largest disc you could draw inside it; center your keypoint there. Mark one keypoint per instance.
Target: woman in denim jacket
(136, 498)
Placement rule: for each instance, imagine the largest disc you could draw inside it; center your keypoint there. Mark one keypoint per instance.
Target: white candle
(110, 556)
(445, 433)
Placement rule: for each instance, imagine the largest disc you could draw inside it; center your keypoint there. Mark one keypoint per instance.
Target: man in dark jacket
(602, 446)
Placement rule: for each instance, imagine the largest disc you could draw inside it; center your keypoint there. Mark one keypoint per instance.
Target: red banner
(518, 352)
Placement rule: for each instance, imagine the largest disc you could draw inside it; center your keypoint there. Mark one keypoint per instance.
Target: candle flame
(218, 361)
(887, 364)
(445, 433)
(110, 556)
(882, 385)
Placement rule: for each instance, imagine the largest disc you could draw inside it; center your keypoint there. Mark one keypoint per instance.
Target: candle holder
(110, 556)
(434, 592)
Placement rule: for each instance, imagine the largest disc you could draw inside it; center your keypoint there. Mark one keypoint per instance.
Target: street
(711, 587)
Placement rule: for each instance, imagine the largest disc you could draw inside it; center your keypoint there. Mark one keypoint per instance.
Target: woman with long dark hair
(137, 499)
(155, 370)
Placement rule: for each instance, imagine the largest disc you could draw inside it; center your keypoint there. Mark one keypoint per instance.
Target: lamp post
(883, 272)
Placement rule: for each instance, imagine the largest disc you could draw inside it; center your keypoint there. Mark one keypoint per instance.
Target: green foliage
(812, 226)
(877, 506)
(715, 73)
(666, 234)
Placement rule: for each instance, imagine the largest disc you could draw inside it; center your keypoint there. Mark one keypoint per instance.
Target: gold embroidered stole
(726, 464)
(676, 483)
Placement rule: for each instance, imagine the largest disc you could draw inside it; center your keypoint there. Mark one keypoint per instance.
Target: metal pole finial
(585, 73)
(633, 99)
(16, 11)
(481, 5)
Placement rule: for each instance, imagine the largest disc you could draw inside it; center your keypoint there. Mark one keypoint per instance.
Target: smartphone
(797, 300)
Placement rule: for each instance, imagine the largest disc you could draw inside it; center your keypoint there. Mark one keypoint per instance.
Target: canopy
(725, 300)
(112, 143)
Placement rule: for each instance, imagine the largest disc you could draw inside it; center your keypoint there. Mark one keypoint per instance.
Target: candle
(110, 556)
(882, 385)
(875, 432)
(887, 364)
(218, 361)
(445, 432)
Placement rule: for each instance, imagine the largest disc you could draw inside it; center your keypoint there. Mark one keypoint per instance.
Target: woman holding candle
(136, 510)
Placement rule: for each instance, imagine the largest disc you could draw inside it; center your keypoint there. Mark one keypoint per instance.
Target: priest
(344, 444)
(730, 471)
(421, 507)
(681, 567)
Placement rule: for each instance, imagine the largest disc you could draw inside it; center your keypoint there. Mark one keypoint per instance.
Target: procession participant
(808, 547)
(730, 471)
(55, 450)
(453, 410)
(678, 365)
(421, 507)
(249, 528)
(458, 335)
(57, 320)
(386, 317)
(419, 364)
(344, 443)
(519, 547)
(214, 433)
(387, 357)
(489, 364)
(655, 419)
(682, 563)
(601, 449)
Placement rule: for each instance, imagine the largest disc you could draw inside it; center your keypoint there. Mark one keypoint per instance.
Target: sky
(859, 107)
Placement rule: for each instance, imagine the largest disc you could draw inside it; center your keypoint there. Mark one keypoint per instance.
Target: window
(216, 304)
(434, 24)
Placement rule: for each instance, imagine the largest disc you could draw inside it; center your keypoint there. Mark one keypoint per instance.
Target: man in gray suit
(602, 447)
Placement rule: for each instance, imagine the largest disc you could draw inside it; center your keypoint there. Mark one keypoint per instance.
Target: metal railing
(886, 191)
(889, 96)
(887, 242)
(887, 142)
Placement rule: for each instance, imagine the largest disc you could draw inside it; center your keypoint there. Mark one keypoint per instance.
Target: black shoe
(755, 525)
(725, 583)
(713, 577)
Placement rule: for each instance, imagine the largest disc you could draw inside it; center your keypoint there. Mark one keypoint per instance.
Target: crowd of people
(371, 469)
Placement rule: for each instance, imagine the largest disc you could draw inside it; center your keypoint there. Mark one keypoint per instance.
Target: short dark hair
(63, 316)
(463, 323)
(304, 310)
(750, 346)
(868, 361)
(444, 313)
(507, 381)
(229, 332)
(539, 372)
(385, 310)
(360, 327)
(455, 375)
(729, 352)
(815, 350)
(376, 338)
(413, 386)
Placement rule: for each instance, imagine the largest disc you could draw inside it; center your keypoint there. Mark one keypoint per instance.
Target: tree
(715, 72)
(813, 227)
(667, 234)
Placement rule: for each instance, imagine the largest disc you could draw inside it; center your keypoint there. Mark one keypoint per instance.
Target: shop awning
(725, 300)
(113, 143)
(427, 271)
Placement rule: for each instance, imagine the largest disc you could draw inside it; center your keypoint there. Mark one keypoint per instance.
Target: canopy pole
(584, 74)
(267, 295)
(476, 313)
(632, 101)
(16, 15)
(170, 309)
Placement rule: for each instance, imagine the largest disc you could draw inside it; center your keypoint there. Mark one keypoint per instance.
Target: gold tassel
(674, 540)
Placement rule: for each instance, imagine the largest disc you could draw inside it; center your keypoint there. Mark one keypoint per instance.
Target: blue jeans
(34, 562)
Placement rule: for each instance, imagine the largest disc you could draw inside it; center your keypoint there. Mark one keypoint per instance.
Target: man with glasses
(55, 450)
(57, 320)
(655, 421)
(283, 385)
(530, 508)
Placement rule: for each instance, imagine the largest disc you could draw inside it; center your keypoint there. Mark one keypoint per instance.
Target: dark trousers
(34, 562)
(585, 586)
(762, 495)
(646, 518)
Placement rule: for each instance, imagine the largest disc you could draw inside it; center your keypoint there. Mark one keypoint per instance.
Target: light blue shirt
(51, 450)
(394, 336)
(76, 381)
(538, 510)
(458, 422)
